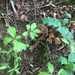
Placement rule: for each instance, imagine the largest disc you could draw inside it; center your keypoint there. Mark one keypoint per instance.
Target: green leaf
(12, 31)
(63, 30)
(18, 37)
(65, 40)
(52, 22)
(70, 37)
(19, 46)
(62, 59)
(13, 69)
(73, 19)
(16, 66)
(74, 67)
(69, 66)
(25, 33)
(60, 71)
(17, 71)
(72, 47)
(4, 66)
(64, 21)
(43, 73)
(71, 57)
(28, 27)
(17, 60)
(36, 31)
(68, 14)
(33, 35)
(11, 73)
(7, 40)
(33, 26)
(50, 67)
(64, 72)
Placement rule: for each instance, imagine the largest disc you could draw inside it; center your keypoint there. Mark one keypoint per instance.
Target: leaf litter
(47, 46)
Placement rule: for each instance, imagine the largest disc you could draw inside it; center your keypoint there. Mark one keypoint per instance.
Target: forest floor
(44, 49)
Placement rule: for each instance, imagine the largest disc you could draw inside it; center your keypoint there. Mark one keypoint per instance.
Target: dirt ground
(43, 49)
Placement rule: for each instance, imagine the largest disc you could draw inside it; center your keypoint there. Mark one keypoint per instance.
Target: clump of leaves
(61, 27)
(14, 39)
(69, 64)
(16, 47)
(5, 64)
(32, 31)
(50, 69)
(67, 37)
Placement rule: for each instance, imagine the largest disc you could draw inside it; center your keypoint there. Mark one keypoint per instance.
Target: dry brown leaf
(43, 29)
(49, 40)
(51, 35)
(57, 41)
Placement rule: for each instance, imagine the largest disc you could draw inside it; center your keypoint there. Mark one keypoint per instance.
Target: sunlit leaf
(18, 37)
(33, 26)
(19, 46)
(28, 27)
(12, 31)
(17, 70)
(64, 21)
(63, 30)
(4, 66)
(65, 40)
(33, 35)
(72, 47)
(70, 37)
(60, 71)
(51, 22)
(71, 57)
(64, 72)
(7, 40)
(25, 33)
(50, 67)
(17, 60)
(62, 59)
(36, 31)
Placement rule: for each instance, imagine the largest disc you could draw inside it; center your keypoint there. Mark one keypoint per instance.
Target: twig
(13, 7)
(35, 8)
(6, 17)
(62, 47)
(61, 2)
(28, 70)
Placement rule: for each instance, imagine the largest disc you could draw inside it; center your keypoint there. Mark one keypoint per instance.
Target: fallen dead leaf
(57, 40)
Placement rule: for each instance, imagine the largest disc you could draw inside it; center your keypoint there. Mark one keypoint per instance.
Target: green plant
(6, 63)
(16, 46)
(50, 69)
(69, 64)
(67, 38)
(14, 39)
(32, 31)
